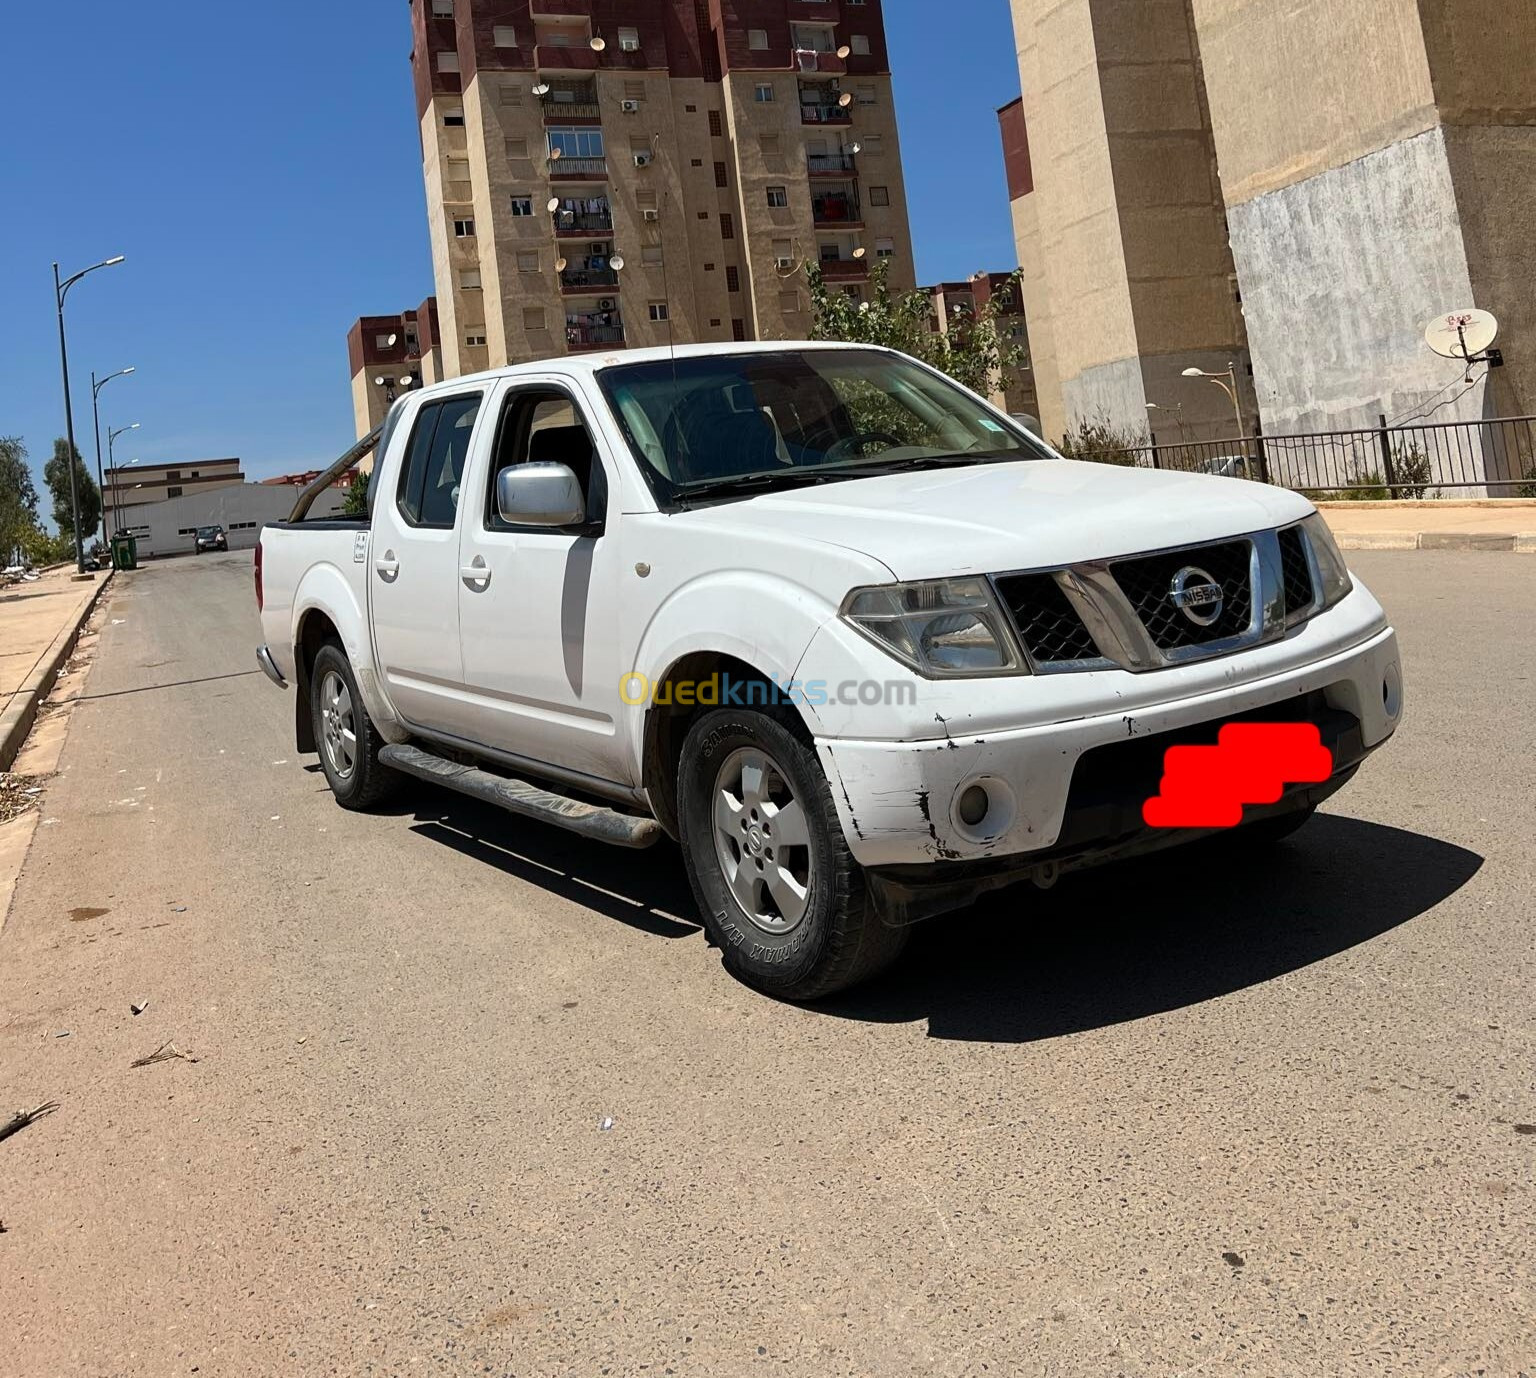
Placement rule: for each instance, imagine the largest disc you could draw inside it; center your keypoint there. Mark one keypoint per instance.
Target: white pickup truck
(862, 645)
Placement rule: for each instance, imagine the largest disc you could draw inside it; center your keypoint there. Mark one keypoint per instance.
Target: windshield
(206, 531)
(758, 420)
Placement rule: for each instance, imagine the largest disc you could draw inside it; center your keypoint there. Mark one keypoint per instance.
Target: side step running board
(517, 796)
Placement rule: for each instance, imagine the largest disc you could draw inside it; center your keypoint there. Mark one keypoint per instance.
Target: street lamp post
(117, 512)
(96, 418)
(60, 291)
(1229, 386)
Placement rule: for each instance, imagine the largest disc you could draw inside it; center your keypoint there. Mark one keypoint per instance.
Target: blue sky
(260, 169)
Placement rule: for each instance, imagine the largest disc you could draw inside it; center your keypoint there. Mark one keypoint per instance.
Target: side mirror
(539, 495)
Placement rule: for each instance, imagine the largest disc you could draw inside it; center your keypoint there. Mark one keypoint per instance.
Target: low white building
(170, 527)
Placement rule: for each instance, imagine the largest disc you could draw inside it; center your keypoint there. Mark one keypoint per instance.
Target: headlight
(943, 628)
(1331, 569)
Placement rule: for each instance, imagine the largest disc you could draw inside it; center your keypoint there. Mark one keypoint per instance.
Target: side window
(428, 491)
(540, 426)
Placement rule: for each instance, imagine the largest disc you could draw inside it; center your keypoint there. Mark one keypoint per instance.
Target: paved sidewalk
(1490, 524)
(38, 623)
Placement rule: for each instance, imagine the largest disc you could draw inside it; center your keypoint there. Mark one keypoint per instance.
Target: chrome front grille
(1165, 607)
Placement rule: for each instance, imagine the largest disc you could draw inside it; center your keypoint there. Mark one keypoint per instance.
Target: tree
(356, 502)
(972, 351)
(18, 496)
(56, 476)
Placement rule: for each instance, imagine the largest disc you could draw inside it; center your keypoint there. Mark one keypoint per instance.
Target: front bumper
(899, 801)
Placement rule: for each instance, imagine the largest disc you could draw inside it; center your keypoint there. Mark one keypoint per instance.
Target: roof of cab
(598, 360)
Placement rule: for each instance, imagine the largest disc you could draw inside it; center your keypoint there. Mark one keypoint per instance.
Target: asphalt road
(1183, 1117)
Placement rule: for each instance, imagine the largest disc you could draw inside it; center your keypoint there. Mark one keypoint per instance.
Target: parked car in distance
(862, 644)
(1230, 466)
(211, 538)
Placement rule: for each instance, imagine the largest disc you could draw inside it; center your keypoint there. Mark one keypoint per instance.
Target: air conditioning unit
(643, 159)
(630, 107)
(606, 304)
(784, 262)
(651, 214)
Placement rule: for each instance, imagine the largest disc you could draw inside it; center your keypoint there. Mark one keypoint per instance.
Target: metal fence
(1439, 459)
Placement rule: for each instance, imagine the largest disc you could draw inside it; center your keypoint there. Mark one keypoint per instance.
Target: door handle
(476, 573)
(387, 566)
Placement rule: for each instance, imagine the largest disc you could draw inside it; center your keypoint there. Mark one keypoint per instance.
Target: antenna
(1466, 336)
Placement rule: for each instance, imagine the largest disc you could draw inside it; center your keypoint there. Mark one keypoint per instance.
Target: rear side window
(428, 492)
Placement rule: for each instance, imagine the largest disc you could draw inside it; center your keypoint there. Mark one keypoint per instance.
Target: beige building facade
(1292, 189)
(607, 173)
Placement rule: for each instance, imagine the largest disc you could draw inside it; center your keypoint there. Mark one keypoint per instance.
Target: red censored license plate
(1251, 763)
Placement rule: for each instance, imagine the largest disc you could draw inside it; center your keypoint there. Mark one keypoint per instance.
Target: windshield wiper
(877, 467)
(774, 478)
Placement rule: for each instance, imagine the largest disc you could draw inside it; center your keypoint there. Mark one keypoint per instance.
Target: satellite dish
(556, 154)
(561, 265)
(846, 99)
(380, 381)
(553, 204)
(598, 43)
(393, 339)
(844, 50)
(859, 252)
(1461, 335)
(854, 148)
(542, 89)
(617, 263)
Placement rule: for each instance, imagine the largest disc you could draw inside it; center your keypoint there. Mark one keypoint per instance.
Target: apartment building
(607, 173)
(390, 355)
(955, 305)
(1294, 190)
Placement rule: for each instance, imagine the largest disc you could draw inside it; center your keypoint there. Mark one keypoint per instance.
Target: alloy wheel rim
(337, 728)
(762, 841)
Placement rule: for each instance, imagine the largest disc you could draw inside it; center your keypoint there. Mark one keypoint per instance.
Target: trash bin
(125, 551)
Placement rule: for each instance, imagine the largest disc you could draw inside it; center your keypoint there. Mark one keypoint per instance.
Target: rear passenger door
(414, 565)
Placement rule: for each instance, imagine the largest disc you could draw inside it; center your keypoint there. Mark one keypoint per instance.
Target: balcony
(578, 170)
(571, 102)
(836, 210)
(831, 165)
(582, 224)
(575, 282)
(561, 57)
(818, 105)
(813, 60)
(844, 269)
(581, 334)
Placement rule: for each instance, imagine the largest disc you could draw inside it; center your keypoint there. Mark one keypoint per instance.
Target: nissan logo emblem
(1197, 595)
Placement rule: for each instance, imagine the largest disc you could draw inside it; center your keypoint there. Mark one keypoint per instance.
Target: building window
(528, 261)
(789, 302)
(695, 162)
(714, 320)
(379, 342)
(769, 143)
(577, 143)
(629, 40)
(443, 9)
(867, 95)
(522, 205)
(757, 40)
(763, 94)
(517, 148)
(504, 36)
(783, 252)
(721, 180)
(447, 62)
(727, 226)
(879, 196)
(873, 145)
(691, 109)
(469, 279)
(464, 229)
(659, 311)
(646, 200)
(738, 328)
(511, 93)
(885, 248)
(533, 318)
(859, 42)
(651, 255)
(732, 278)
(475, 337)
(634, 90)
(716, 126)
(453, 119)
(778, 196)
(173, 492)
(639, 143)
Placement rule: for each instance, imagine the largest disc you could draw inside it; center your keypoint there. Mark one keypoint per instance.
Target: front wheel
(349, 743)
(778, 888)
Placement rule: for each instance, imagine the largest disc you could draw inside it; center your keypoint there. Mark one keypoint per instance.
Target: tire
(806, 927)
(352, 769)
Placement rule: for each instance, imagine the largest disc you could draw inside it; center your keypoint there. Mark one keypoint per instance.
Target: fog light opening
(1392, 691)
(973, 805)
(982, 808)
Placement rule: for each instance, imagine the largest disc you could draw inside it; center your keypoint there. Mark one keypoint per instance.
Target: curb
(1436, 540)
(17, 719)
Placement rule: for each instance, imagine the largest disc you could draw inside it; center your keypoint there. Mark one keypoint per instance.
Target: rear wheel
(779, 890)
(349, 743)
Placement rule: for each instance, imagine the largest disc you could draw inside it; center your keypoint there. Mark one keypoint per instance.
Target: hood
(996, 517)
